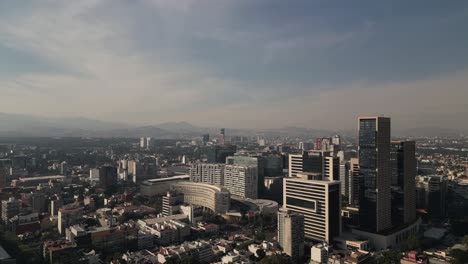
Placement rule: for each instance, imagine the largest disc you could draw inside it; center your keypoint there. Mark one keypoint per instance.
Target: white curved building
(216, 198)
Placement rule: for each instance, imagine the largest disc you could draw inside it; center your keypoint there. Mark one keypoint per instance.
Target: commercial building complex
(209, 196)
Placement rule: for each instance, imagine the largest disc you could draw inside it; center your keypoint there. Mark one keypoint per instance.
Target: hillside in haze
(17, 125)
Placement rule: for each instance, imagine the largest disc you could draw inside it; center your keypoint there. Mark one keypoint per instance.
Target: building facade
(291, 234)
(241, 181)
(403, 162)
(320, 203)
(374, 173)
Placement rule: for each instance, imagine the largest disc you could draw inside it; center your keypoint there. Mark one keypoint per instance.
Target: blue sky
(245, 63)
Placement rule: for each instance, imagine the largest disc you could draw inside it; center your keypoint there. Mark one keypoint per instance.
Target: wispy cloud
(236, 62)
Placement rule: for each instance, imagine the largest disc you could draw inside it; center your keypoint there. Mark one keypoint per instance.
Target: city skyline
(258, 62)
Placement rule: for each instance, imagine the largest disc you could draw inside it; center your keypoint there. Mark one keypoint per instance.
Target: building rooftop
(174, 178)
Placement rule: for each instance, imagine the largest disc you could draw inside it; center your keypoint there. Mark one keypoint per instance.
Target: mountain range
(19, 125)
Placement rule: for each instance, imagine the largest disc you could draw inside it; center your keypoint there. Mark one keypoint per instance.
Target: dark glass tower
(374, 174)
(403, 164)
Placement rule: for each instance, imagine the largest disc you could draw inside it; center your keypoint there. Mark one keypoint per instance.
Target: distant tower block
(222, 136)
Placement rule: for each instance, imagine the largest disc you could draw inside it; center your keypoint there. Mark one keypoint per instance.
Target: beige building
(216, 198)
(291, 233)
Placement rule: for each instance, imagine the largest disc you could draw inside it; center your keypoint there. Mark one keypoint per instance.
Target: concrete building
(390, 238)
(315, 161)
(241, 181)
(354, 181)
(211, 173)
(251, 160)
(10, 208)
(94, 174)
(171, 203)
(167, 232)
(431, 194)
(291, 234)
(374, 174)
(209, 196)
(159, 187)
(403, 188)
(319, 254)
(344, 179)
(68, 216)
(34, 181)
(320, 203)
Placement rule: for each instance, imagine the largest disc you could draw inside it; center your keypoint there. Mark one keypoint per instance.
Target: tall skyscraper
(291, 234)
(403, 164)
(320, 203)
(374, 173)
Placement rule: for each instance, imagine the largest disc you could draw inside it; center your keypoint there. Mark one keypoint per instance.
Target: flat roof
(152, 221)
(322, 182)
(52, 177)
(174, 178)
(205, 185)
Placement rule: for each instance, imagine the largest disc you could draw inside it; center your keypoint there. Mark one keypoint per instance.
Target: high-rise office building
(241, 181)
(344, 179)
(207, 173)
(291, 234)
(273, 165)
(320, 203)
(431, 194)
(354, 181)
(403, 187)
(331, 168)
(374, 173)
(107, 176)
(315, 161)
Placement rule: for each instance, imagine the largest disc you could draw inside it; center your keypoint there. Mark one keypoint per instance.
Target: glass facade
(367, 172)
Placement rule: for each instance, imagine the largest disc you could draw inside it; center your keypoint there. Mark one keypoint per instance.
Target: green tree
(276, 259)
(465, 240)
(411, 243)
(389, 257)
(260, 253)
(459, 256)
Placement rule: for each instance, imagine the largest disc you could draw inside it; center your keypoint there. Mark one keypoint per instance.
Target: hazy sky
(244, 63)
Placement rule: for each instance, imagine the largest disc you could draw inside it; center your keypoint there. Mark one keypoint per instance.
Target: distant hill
(18, 125)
